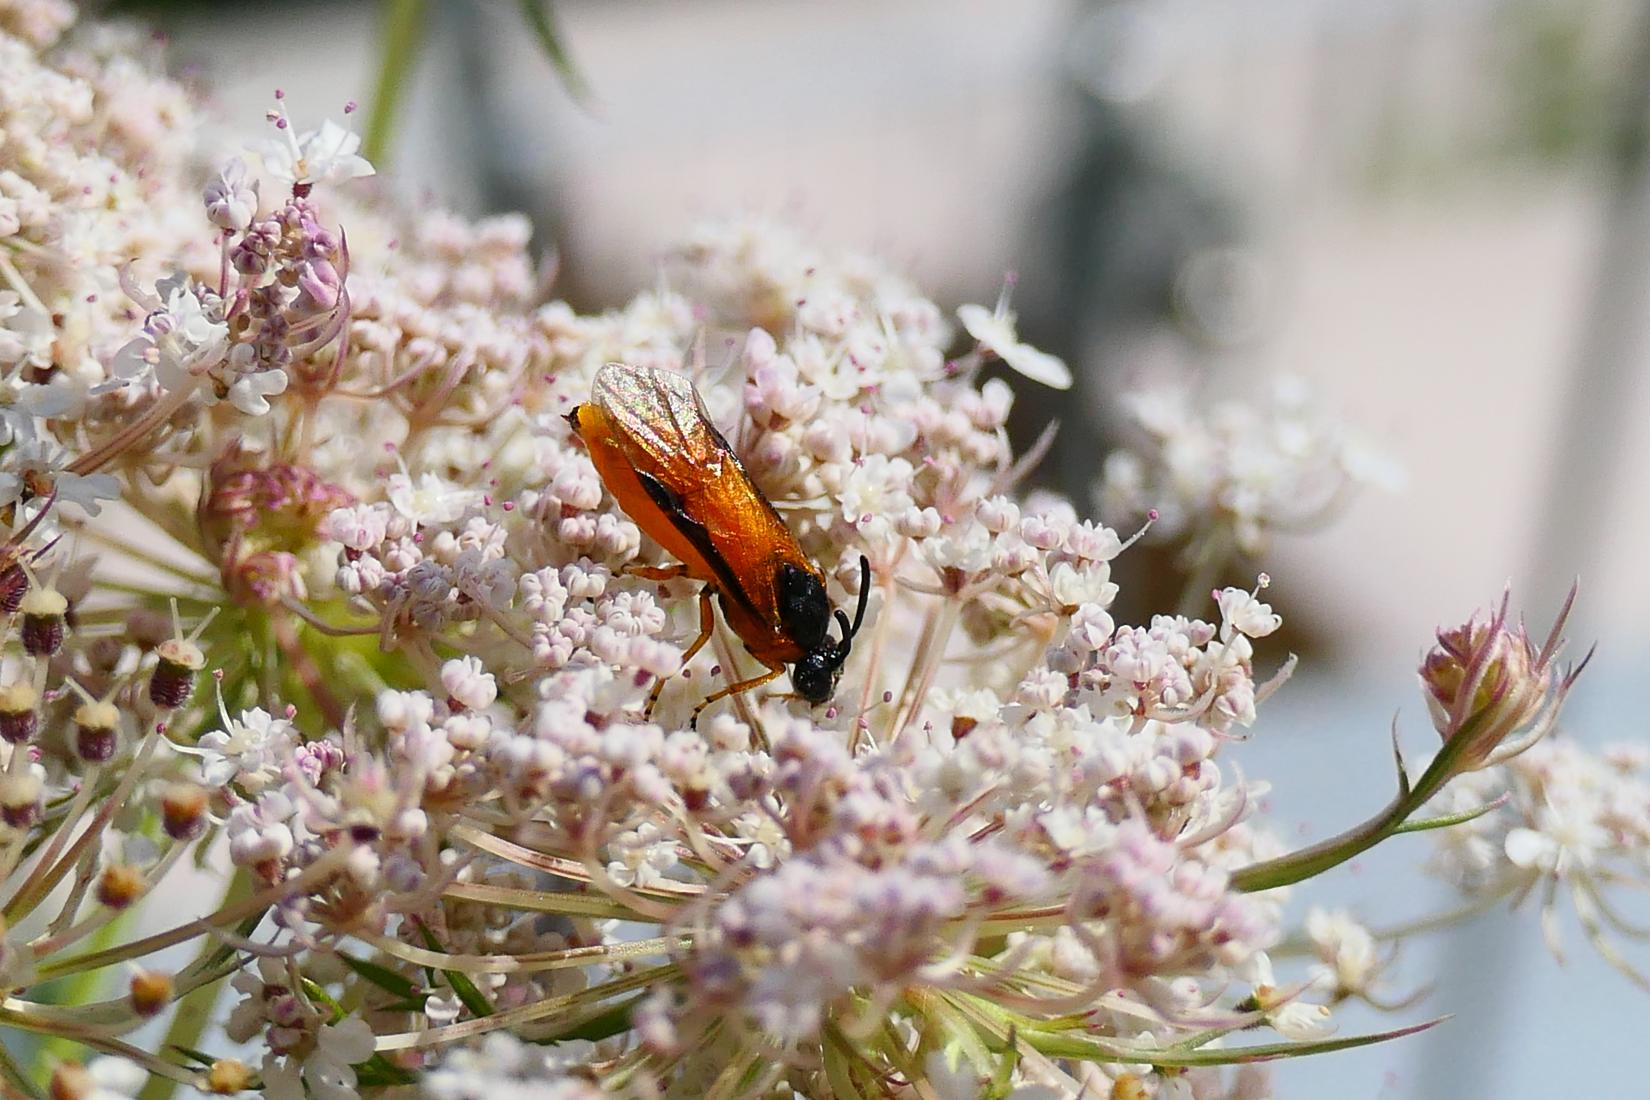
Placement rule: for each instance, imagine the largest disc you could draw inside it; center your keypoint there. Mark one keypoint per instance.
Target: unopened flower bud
(19, 716)
(96, 732)
(183, 810)
(20, 798)
(43, 611)
(1487, 682)
(150, 992)
(119, 885)
(227, 1076)
(174, 675)
(231, 201)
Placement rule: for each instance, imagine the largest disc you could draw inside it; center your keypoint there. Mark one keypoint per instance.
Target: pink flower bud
(1487, 681)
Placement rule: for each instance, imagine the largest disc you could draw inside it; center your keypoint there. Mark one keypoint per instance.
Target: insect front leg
(735, 689)
(707, 626)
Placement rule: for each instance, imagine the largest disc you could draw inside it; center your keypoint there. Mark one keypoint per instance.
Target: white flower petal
(1528, 848)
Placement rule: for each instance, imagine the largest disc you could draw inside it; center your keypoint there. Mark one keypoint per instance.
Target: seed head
(228, 1076)
(96, 732)
(43, 621)
(120, 885)
(174, 675)
(19, 712)
(150, 992)
(20, 795)
(183, 810)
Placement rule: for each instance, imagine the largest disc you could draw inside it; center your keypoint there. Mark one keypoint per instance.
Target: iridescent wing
(698, 482)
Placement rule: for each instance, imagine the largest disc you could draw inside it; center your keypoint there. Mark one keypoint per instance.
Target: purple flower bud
(318, 280)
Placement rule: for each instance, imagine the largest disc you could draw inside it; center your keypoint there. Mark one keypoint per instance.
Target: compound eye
(813, 678)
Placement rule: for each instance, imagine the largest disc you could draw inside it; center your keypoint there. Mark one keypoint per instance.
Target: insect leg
(707, 626)
(654, 572)
(735, 689)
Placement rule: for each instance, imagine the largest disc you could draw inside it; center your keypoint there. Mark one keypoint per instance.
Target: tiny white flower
(1294, 1018)
(1246, 614)
(114, 1079)
(39, 460)
(316, 156)
(431, 499)
(1351, 962)
(248, 750)
(468, 683)
(994, 330)
(179, 341)
(26, 333)
(249, 392)
(231, 200)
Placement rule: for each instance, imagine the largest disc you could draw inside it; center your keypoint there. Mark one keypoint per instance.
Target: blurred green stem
(403, 35)
(194, 1011)
(1209, 557)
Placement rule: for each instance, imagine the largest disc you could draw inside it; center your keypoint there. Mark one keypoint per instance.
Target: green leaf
(1109, 1051)
(198, 1056)
(381, 976)
(839, 1069)
(468, 994)
(1002, 1081)
(401, 40)
(405, 1004)
(315, 992)
(610, 1021)
(17, 1082)
(380, 1071)
(1404, 786)
(1447, 820)
(541, 18)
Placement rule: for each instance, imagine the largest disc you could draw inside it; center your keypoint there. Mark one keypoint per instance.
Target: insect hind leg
(734, 689)
(654, 572)
(707, 627)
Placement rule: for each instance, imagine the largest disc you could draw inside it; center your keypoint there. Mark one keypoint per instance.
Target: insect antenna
(848, 632)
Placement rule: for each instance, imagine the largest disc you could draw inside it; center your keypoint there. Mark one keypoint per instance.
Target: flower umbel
(368, 642)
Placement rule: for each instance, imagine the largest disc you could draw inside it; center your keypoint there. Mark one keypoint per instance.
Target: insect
(673, 473)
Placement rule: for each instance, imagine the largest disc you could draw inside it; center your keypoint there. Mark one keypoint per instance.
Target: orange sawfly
(661, 457)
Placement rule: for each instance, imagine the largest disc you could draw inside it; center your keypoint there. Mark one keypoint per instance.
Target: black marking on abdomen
(670, 503)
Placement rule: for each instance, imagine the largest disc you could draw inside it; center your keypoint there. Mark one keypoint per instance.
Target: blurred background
(1436, 214)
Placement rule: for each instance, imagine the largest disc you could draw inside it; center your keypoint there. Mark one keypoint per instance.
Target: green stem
(403, 36)
(1315, 859)
(1211, 556)
(194, 1011)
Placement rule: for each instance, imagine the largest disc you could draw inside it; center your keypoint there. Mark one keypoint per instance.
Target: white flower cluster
(1575, 821)
(1238, 471)
(446, 728)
